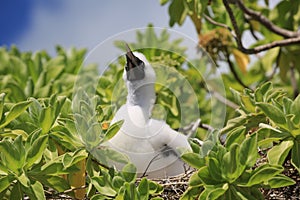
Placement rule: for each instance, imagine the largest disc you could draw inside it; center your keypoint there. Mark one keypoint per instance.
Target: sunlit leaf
(264, 173)
(36, 151)
(15, 111)
(280, 181)
(241, 59)
(273, 113)
(278, 153)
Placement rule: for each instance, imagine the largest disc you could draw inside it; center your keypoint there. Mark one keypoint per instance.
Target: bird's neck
(143, 96)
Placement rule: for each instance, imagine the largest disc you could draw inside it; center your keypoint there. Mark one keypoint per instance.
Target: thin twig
(174, 183)
(266, 22)
(232, 69)
(279, 43)
(212, 21)
(224, 100)
(252, 31)
(234, 23)
(206, 126)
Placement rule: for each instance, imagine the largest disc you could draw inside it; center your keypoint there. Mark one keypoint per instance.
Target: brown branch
(266, 22)
(279, 43)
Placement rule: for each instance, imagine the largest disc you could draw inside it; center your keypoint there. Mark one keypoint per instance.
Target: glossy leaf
(248, 151)
(36, 151)
(143, 189)
(15, 111)
(295, 156)
(278, 153)
(112, 130)
(129, 172)
(11, 156)
(273, 113)
(264, 173)
(2, 96)
(193, 159)
(280, 181)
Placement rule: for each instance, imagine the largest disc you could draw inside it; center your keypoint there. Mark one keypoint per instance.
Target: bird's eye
(141, 63)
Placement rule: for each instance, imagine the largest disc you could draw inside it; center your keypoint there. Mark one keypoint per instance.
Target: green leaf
(264, 173)
(54, 68)
(36, 151)
(163, 2)
(38, 191)
(24, 180)
(231, 167)
(177, 12)
(103, 187)
(11, 156)
(280, 181)
(217, 192)
(118, 182)
(248, 104)
(214, 168)
(295, 155)
(248, 151)
(237, 135)
(16, 192)
(194, 160)
(46, 118)
(143, 189)
(5, 182)
(53, 167)
(70, 159)
(129, 172)
(278, 153)
(236, 96)
(2, 96)
(191, 193)
(56, 182)
(295, 109)
(15, 111)
(206, 178)
(112, 130)
(273, 113)
(195, 180)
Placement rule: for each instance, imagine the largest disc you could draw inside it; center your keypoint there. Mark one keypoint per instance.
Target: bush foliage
(52, 128)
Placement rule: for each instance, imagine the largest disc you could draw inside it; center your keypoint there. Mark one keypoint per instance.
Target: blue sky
(38, 24)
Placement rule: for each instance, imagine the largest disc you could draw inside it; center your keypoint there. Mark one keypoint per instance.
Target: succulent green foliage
(228, 173)
(273, 116)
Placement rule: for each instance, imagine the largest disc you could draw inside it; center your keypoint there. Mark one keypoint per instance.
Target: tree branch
(266, 22)
(278, 43)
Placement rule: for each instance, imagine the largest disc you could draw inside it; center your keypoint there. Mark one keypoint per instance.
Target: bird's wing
(164, 139)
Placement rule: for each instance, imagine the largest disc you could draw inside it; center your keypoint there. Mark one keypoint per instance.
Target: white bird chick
(151, 145)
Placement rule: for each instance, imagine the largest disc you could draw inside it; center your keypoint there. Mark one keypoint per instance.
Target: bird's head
(137, 68)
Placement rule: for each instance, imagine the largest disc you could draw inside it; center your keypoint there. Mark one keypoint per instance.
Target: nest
(174, 186)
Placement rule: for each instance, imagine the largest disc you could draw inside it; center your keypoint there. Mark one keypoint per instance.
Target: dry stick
(279, 43)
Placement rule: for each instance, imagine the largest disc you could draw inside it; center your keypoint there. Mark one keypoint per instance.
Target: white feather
(149, 143)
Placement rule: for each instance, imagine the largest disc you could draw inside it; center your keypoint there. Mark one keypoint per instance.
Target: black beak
(134, 66)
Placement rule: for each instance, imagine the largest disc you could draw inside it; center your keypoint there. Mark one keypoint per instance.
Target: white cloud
(87, 23)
